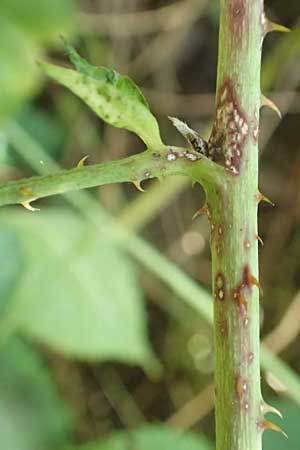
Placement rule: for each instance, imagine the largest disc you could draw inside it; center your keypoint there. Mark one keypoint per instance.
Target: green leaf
(42, 20)
(113, 97)
(11, 262)
(18, 75)
(24, 25)
(78, 293)
(150, 438)
(31, 414)
(45, 128)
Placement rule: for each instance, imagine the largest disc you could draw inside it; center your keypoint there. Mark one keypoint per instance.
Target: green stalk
(230, 178)
(184, 287)
(135, 169)
(232, 211)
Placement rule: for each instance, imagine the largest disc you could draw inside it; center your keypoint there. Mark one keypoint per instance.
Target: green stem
(232, 210)
(166, 271)
(132, 169)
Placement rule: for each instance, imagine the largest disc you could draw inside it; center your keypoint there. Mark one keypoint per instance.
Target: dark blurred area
(93, 344)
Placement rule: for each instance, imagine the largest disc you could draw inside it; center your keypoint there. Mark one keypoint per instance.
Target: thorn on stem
(270, 26)
(259, 239)
(82, 161)
(138, 186)
(255, 282)
(262, 198)
(250, 280)
(265, 408)
(200, 211)
(264, 101)
(267, 425)
(27, 205)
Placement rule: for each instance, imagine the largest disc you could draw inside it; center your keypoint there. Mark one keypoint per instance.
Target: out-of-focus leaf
(31, 415)
(290, 425)
(11, 264)
(44, 128)
(24, 26)
(78, 293)
(42, 20)
(113, 97)
(151, 438)
(18, 75)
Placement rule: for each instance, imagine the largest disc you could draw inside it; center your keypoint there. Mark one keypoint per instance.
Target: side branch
(136, 168)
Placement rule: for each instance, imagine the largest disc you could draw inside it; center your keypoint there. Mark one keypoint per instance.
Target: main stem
(232, 210)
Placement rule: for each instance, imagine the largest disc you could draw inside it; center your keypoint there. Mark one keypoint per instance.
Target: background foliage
(96, 350)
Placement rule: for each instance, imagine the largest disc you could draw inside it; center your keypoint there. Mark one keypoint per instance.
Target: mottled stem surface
(232, 211)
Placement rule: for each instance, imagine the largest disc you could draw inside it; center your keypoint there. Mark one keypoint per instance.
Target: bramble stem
(133, 169)
(229, 176)
(232, 210)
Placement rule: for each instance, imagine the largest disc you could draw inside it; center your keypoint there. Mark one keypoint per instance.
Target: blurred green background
(100, 347)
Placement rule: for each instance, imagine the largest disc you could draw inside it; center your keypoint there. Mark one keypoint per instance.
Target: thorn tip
(271, 26)
(271, 409)
(264, 101)
(200, 211)
(82, 161)
(267, 425)
(259, 239)
(262, 198)
(27, 205)
(138, 186)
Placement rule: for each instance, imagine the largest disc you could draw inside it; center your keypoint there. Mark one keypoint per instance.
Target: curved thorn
(200, 211)
(265, 101)
(262, 198)
(138, 186)
(271, 26)
(271, 409)
(28, 206)
(259, 239)
(266, 425)
(82, 161)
